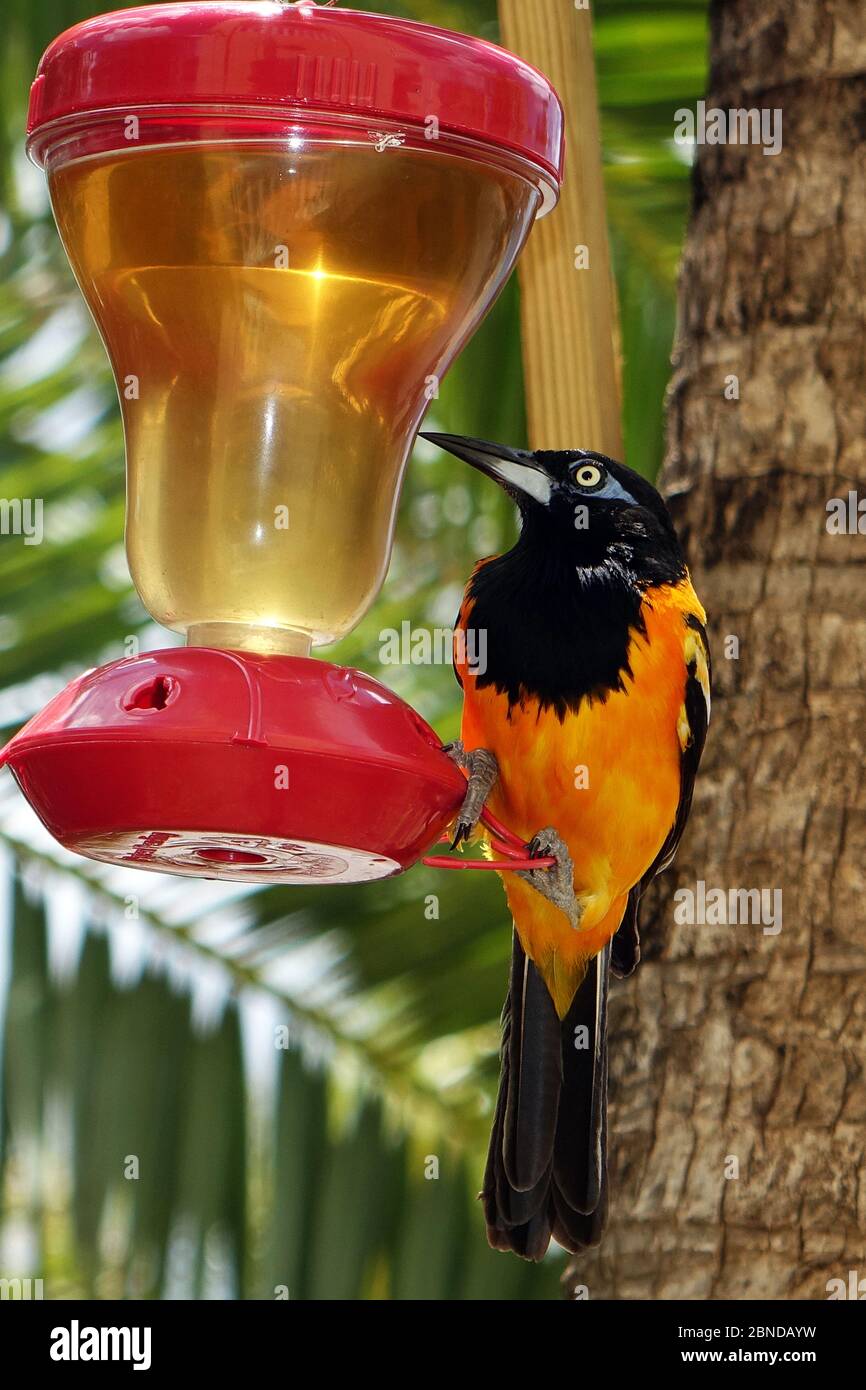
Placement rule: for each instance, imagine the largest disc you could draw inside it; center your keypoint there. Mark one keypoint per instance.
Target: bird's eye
(588, 476)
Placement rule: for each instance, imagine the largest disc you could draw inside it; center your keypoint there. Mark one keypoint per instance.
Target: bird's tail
(546, 1168)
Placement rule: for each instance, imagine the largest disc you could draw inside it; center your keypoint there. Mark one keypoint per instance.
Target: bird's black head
(597, 515)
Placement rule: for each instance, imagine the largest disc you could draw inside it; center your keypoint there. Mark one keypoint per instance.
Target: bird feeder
(286, 221)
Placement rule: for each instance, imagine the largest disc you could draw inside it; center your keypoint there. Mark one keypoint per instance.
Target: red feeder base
(260, 769)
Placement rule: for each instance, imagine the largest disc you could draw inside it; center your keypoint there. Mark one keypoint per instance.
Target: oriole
(594, 703)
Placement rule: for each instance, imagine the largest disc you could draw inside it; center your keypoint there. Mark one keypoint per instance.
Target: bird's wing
(692, 730)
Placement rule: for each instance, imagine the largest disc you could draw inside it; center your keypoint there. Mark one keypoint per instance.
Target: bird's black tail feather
(546, 1168)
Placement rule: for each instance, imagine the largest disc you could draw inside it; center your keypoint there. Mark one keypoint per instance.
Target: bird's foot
(557, 883)
(483, 771)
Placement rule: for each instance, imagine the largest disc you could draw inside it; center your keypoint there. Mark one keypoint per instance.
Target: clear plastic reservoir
(278, 313)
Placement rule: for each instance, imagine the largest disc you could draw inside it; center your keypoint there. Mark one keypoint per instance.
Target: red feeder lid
(259, 53)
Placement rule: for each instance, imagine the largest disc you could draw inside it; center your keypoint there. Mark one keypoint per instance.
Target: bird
(582, 730)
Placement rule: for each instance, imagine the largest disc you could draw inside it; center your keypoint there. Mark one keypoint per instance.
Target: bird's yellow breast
(607, 777)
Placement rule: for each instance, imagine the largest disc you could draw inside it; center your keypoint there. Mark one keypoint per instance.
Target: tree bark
(729, 1042)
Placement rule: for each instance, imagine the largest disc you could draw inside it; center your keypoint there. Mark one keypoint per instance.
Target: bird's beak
(516, 469)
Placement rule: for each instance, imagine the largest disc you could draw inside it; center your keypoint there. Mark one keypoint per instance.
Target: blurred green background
(213, 1092)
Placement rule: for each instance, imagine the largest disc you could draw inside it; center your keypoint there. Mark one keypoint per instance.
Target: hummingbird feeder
(286, 220)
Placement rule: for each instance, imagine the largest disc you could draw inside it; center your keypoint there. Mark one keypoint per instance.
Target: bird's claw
(557, 883)
(483, 771)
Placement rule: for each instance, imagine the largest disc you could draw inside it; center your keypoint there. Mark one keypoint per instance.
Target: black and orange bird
(588, 717)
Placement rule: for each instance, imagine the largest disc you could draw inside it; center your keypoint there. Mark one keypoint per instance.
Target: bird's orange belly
(607, 778)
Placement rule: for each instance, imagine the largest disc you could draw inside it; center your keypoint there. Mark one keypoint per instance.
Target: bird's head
(593, 510)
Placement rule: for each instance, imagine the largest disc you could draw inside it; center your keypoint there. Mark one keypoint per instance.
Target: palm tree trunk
(735, 1050)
